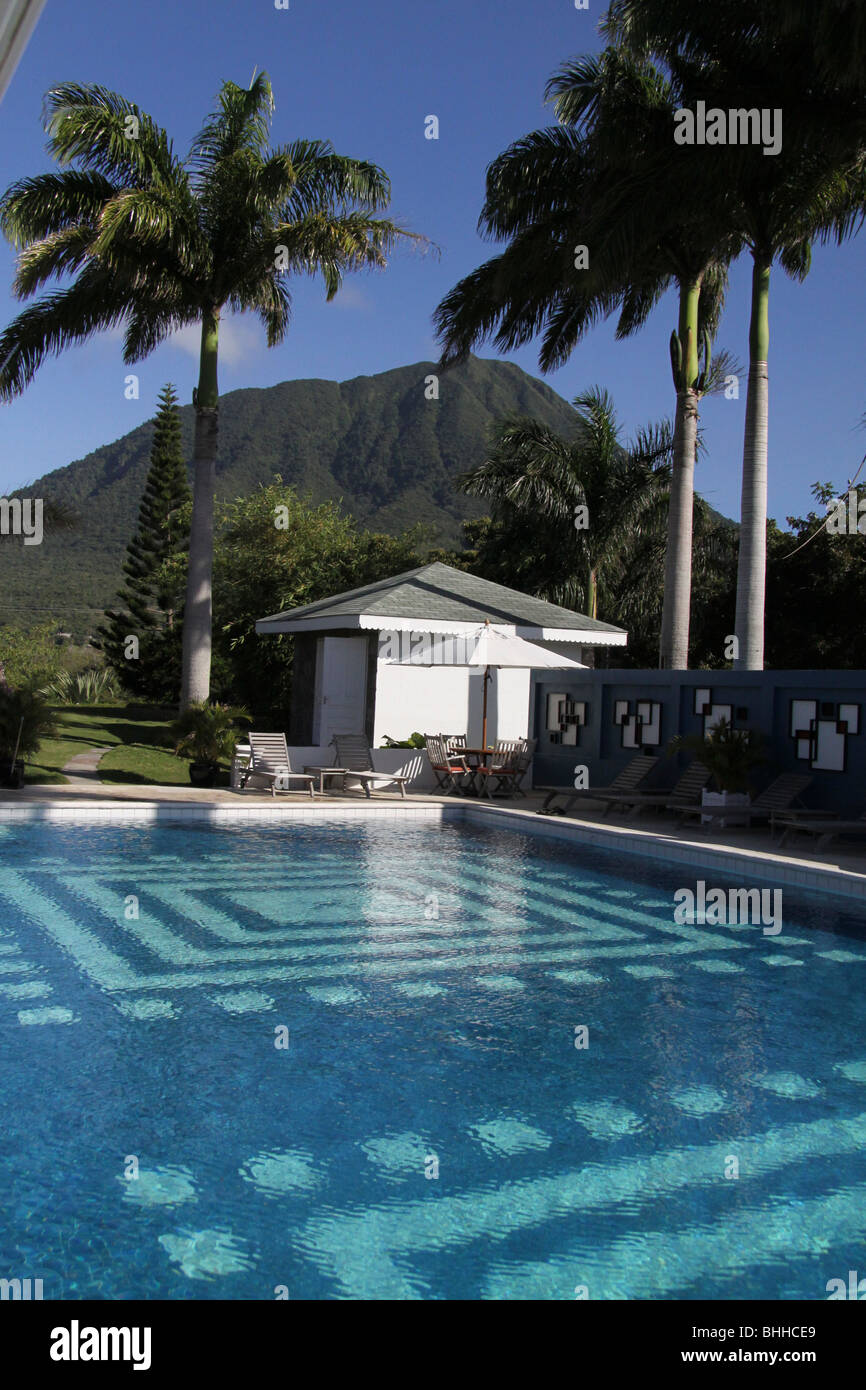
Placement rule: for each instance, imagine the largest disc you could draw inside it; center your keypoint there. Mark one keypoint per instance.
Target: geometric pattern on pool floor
(185, 934)
(432, 980)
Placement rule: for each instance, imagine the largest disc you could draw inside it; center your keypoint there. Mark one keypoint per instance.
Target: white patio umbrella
(488, 647)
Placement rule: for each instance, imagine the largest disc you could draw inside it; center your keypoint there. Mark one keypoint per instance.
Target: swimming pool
(342, 1061)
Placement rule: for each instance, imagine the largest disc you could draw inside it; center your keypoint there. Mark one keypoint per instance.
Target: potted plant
(730, 754)
(207, 734)
(413, 741)
(26, 719)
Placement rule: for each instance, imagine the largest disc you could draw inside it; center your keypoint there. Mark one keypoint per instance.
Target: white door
(342, 688)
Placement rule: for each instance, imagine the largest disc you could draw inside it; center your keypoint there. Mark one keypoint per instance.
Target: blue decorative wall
(812, 721)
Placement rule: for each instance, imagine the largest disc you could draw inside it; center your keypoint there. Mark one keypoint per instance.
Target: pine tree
(150, 611)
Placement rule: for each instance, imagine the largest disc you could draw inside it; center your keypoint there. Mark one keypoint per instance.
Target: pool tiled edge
(168, 812)
(643, 844)
(640, 844)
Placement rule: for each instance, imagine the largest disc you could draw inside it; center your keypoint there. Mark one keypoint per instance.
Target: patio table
(475, 758)
(240, 762)
(323, 772)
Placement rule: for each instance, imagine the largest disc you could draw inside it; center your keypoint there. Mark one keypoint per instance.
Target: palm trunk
(198, 609)
(592, 592)
(752, 561)
(674, 641)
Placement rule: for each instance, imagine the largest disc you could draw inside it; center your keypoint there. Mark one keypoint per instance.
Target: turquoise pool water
(430, 1130)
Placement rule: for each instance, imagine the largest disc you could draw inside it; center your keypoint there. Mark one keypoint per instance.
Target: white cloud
(239, 340)
(351, 297)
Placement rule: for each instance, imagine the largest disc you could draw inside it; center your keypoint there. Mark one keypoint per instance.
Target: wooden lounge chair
(452, 773)
(631, 776)
(507, 768)
(826, 825)
(355, 755)
(270, 763)
(500, 764)
(781, 794)
(684, 794)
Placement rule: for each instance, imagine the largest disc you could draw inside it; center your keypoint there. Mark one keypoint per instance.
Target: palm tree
(610, 178)
(837, 28)
(779, 214)
(538, 482)
(155, 243)
(834, 30)
(631, 104)
(814, 187)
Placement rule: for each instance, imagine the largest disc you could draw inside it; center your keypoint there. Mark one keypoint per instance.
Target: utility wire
(828, 517)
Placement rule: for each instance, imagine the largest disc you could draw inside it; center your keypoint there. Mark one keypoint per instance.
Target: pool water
(340, 1062)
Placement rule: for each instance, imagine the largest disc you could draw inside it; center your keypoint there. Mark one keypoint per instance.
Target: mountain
(375, 442)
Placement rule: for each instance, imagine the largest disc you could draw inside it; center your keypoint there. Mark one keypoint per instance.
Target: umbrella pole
(484, 710)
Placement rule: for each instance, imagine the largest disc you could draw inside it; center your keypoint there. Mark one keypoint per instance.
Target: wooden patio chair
(270, 763)
(780, 795)
(451, 772)
(355, 755)
(507, 774)
(825, 824)
(631, 776)
(501, 765)
(682, 796)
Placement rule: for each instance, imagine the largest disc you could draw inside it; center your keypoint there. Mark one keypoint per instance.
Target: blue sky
(365, 75)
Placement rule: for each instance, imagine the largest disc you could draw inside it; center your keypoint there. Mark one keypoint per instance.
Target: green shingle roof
(441, 593)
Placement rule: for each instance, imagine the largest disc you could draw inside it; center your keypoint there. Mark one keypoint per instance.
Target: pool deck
(748, 854)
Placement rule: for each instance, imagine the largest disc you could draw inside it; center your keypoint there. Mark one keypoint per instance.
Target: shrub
(413, 741)
(730, 754)
(91, 687)
(207, 733)
(30, 656)
(26, 713)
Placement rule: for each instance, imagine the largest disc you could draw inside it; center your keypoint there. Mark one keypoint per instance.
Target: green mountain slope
(375, 442)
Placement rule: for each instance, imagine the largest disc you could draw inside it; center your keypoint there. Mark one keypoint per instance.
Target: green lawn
(137, 735)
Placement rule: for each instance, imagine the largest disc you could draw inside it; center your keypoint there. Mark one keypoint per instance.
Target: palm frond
(270, 299)
(55, 322)
(322, 178)
(724, 364)
(145, 332)
(58, 253)
(241, 121)
(154, 219)
(43, 206)
(331, 245)
(108, 135)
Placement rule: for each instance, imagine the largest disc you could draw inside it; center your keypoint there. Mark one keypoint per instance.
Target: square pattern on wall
(713, 713)
(820, 731)
(639, 721)
(565, 718)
